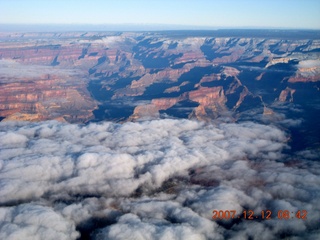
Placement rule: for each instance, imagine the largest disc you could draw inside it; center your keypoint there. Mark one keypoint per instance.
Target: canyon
(127, 76)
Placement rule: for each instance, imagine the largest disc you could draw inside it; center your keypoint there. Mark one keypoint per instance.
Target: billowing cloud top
(157, 179)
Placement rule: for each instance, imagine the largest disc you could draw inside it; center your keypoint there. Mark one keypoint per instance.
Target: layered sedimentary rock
(45, 99)
(28, 94)
(67, 76)
(145, 112)
(286, 95)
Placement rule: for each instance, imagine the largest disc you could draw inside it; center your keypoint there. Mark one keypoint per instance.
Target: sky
(203, 14)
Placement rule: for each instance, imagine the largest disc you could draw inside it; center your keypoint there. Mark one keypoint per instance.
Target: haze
(178, 14)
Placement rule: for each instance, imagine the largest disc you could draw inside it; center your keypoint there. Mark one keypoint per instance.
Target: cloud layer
(12, 69)
(157, 179)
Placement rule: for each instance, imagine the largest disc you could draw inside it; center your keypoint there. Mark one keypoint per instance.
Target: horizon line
(134, 27)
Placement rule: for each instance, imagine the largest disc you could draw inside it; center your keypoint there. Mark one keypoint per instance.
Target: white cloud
(30, 221)
(309, 64)
(11, 69)
(157, 179)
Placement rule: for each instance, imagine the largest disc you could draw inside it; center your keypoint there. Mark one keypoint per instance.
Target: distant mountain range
(141, 27)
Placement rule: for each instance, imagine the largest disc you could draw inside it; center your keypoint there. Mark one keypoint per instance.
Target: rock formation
(67, 76)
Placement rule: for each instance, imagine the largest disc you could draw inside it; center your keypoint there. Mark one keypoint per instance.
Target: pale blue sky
(204, 13)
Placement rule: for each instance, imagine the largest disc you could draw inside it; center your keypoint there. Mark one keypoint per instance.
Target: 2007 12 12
(264, 214)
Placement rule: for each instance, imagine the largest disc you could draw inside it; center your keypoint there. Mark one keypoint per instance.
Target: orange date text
(264, 214)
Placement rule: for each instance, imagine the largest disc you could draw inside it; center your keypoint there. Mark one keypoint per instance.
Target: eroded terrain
(94, 76)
